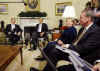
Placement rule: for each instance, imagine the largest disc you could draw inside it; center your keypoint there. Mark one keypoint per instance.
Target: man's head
(85, 19)
(75, 21)
(13, 20)
(2, 22)
(88, 5)
(41, 20)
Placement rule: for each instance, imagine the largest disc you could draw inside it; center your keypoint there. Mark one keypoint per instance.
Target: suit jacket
(9, 29)
(89, 45)
(68, 36)
(44, 28)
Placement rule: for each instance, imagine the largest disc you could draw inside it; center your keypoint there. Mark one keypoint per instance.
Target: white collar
(12, 24)
(89, 26)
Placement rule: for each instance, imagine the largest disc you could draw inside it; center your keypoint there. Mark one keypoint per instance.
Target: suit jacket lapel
(80, 31)
(10, 27)
(42, 28)
(91, 29)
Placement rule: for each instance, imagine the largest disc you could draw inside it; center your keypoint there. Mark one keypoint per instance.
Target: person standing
(60, 24)
(2, 25)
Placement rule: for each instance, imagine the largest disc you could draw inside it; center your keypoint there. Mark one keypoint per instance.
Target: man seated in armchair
(42, 29)
(13, 32)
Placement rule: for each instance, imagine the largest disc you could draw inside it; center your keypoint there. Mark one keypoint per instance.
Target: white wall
(45, 5)
(13, 10)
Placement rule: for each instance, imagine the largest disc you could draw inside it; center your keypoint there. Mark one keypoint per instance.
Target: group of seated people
(14, 33)
(86, 43)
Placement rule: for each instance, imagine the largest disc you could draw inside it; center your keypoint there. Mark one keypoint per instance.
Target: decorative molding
(32, 14)
(32, 17)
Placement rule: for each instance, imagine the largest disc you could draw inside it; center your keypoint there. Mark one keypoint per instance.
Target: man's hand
(41, 34)
(19, 33)
(59, 42)
(96, 67)
(9, 33)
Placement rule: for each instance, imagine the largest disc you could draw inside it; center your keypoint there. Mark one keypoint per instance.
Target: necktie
(79, 37)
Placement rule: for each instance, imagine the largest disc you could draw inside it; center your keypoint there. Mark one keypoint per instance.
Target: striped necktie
(79, 37)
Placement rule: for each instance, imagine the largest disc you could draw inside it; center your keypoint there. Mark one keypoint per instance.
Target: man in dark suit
(87, 44)
(13, 32)
(42, 29)
(41, 32)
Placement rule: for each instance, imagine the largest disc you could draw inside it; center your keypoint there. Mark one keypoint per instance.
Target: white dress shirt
(40, 28)
(88, 26)
(12, 26)
(97, 61)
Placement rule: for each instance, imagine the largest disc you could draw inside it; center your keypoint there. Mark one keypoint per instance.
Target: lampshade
(69, 12)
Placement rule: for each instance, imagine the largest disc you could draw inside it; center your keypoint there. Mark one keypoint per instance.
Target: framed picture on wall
(32, 5)
(3, 8)
(59, 9)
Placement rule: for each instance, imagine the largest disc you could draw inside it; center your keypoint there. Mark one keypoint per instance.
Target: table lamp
(69, 12)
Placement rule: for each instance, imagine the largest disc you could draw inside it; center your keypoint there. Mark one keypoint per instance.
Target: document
(79, 63)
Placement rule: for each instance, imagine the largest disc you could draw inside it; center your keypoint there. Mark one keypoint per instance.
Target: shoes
(40, 59)
(30, 49)
(33, 69)
(34, 47)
